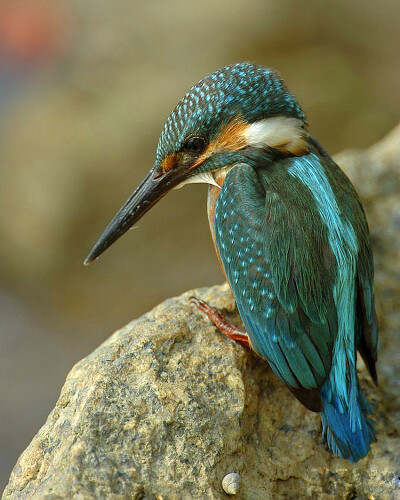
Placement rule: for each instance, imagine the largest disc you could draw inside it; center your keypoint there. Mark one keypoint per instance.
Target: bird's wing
(366, 320)
(277, 257)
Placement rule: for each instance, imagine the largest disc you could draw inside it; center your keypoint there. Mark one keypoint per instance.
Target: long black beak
(153, 187)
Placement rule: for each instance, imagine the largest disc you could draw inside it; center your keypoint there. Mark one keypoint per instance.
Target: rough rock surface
(167, 406)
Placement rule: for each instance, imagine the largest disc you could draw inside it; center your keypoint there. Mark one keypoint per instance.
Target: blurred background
(85, 88)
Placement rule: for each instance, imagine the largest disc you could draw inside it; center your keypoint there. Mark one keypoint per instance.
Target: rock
(167, 406)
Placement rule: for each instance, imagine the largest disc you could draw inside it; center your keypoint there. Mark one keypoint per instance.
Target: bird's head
(231, 116)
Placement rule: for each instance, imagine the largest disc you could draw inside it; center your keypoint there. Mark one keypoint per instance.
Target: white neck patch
(286, 134)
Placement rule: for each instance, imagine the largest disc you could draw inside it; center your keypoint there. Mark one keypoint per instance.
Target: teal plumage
(296, 253)
(291, 235)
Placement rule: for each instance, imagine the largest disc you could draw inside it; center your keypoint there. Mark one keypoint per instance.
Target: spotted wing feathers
(280, 271)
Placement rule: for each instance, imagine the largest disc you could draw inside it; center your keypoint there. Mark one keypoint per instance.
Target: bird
(291, 236)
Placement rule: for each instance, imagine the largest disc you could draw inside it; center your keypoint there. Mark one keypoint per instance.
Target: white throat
(203, 177)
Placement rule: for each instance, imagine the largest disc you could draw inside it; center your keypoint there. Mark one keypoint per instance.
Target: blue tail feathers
(346, 427)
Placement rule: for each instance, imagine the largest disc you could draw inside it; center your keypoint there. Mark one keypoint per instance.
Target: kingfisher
(291, 236)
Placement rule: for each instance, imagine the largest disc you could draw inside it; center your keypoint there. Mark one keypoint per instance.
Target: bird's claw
(220, 321)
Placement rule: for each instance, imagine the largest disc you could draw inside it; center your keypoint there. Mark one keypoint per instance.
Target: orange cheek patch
(168, 163)
(230, 138)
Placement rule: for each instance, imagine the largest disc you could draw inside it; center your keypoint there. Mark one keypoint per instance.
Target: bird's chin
(202, 178)
(212, 177)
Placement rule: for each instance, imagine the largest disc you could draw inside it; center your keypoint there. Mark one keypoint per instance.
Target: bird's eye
(194, 145)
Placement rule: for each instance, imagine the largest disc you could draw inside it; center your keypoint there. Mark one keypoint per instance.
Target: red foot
(221, 323)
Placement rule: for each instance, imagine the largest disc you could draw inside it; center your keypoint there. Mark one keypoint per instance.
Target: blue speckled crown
(254, 92)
